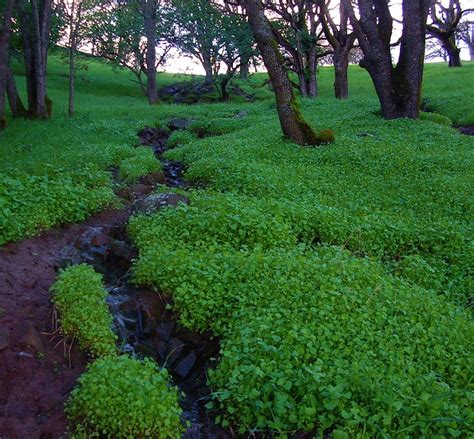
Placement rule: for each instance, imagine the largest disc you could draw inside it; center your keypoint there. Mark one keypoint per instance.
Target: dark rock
(174, 348)
(165, 329)
(185, 365)
(467, 130)
(121, 249)
(154, 178)
(151, 136)
(241, 114)
(157, 201)
(101, 239)
(179, 124)
(151, 309)
(141, 189)
(30, 337)
(4, 339)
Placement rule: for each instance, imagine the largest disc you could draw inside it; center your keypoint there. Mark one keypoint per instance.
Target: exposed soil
(38, 369)
(36, 374)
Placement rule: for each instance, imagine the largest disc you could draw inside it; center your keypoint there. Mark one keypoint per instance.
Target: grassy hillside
(338, 278)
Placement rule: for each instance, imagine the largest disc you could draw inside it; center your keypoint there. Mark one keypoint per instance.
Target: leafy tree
(297, 31)
(128, 34)
(398, 87)
(444, 23)
(197, 34)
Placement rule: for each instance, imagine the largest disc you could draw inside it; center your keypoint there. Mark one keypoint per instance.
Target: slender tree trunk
(312, 79)
(291, 120)
(4, 58)
(454, 53)
(35, 29)
(16, 104)
(207, 64)
(302, 84)
(471, 43)
(150, 32)
(72, 74)
(341, 66)
(244, 69)
(224, 83)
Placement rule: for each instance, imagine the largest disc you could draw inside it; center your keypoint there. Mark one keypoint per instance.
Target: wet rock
(140, 189)
(101, 239)
(179, 124)
(184, 366)
(154, 178)
(165, 329)
(152, 135)
(174, 349)
(30, 337)
(157, 201)
(121, 250)
(4, 339)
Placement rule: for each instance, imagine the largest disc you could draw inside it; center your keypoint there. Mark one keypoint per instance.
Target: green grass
(337, 277)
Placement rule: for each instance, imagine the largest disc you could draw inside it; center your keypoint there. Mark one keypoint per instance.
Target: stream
(143, 318)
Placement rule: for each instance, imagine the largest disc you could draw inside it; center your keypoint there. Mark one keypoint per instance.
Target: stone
(179, 124)
(241, 114)
(154, 178)
(141, 189)
(185, 365)
(165, 329)
(30, 337)
(4, 339)
(101, 239)
(174, 349)
(121, 249)
(155, 202)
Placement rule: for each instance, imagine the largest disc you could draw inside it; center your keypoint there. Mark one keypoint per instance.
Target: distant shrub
(79, 297)
(120, 397)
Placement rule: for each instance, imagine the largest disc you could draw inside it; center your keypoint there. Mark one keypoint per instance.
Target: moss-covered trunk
(292, 122)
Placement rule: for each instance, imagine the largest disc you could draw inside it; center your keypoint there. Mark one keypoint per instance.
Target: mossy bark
(292, 122)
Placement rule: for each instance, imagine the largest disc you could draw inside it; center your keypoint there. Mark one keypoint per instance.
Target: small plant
(120, 397)
(141, 163)
(79, 297)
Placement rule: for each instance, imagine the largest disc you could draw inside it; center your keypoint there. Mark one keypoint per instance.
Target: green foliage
(436, 118)
(29, 203)
(119, 397)
(79, 297)
(142, 162)
(180, 138)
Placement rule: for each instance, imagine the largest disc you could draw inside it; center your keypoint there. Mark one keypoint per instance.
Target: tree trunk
(224, 83)
(302, 84)
(207, 64)
(35, 28)
(454, 53)
(150, 33)
(312, 79)
(398, 88)
(72, 75)
(4, 57)
(16, 104)
(341, 66)
(244, 69)
(292, 122)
